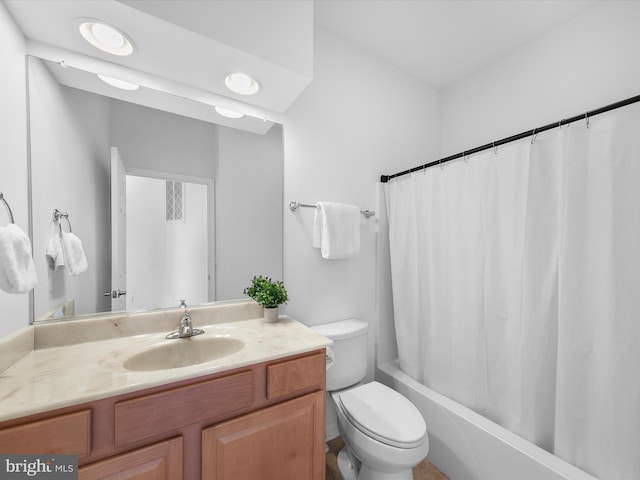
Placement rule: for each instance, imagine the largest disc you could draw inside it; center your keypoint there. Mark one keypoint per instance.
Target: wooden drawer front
(66, 434)
(162, 412)
(161, 461)
(293, 375)
(285, 441)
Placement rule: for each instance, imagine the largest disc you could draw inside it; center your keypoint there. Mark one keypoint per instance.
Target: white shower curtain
(516, 287)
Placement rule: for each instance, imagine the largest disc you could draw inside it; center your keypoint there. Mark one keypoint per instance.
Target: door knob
(115, 293)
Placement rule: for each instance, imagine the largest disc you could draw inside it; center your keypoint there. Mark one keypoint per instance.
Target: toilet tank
(347, 357)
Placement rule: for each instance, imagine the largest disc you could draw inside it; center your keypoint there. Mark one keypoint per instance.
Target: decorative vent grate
(175, 201)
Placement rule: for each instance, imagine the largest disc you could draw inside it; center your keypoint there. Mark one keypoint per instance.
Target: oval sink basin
(183, 352)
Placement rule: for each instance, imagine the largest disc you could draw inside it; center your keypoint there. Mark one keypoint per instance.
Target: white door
(118, 233)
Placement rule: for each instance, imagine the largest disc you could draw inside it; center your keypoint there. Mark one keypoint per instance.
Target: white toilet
(384, 433)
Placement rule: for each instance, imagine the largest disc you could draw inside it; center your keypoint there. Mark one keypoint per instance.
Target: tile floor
(424, 471)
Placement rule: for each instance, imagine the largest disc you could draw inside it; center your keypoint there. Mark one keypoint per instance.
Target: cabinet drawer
(162, 412)
(293, 375)
(65, 434)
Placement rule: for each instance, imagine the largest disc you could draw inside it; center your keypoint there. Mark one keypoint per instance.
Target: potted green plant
(269, 294)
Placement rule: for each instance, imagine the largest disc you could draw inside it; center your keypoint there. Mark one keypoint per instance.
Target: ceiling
(186, 47)
(443, 41)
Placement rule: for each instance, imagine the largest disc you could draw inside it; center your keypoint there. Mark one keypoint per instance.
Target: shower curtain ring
(495, 149)
(533, 138)
(586, 117)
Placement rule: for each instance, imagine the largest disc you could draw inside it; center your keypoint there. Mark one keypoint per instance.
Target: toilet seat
(384, 414)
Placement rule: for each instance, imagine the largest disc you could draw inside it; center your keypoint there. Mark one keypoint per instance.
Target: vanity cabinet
(263, 421)
(278, 442)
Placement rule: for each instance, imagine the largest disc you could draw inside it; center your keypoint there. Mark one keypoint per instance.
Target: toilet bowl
(385, 435)
(383, 430)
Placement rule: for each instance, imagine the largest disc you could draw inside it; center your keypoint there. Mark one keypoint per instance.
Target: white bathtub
(467, 446)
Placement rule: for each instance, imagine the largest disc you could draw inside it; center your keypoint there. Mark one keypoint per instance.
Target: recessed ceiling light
(242, 84)
(116, 82)
(105, 37)
(229, 113)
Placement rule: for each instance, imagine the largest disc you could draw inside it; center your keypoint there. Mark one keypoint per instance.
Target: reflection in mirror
(195, 212)
(173, 215)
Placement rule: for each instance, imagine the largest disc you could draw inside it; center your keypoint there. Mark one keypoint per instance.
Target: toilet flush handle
(329, 357)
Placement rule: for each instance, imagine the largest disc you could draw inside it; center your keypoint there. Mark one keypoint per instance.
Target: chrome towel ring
(6, 204)
(57, 215)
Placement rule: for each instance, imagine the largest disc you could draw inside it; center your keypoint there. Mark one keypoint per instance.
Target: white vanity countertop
(61, 376)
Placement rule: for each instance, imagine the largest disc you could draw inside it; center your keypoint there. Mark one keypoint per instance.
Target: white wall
(588, 63)
(248, 209)
(358, 119)
(14, 309)
(70, 172)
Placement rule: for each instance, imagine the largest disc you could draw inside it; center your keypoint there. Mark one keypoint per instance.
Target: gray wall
(249, 185)
(155, 140)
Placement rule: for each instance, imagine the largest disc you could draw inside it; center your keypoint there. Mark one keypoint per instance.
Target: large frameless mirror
(167, 204)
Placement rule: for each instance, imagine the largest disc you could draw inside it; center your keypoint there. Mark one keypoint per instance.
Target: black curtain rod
(513, 138)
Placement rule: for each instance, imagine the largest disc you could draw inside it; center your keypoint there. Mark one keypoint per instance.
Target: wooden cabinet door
(284, 442)
(160, 461)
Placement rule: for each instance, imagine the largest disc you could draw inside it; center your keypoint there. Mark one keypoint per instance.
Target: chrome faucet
(185, 328)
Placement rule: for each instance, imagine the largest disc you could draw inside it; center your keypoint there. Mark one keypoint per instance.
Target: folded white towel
(336, 230)
(317, 227)
(55, 255)
(17, 272)
(74, 258)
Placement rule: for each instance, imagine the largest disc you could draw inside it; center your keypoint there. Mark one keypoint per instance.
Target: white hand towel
(55, 256)
(17, 272)
(74, 257)
(317, 227)
(337, 230)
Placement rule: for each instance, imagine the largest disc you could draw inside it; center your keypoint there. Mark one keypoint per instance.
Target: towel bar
(6, 204)
(295, 205)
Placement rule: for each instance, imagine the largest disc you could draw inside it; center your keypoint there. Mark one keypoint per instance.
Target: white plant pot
(271, 314)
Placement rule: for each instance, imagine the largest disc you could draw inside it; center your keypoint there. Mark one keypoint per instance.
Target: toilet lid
(384, 414)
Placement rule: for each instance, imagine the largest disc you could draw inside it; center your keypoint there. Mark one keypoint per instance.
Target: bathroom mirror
(199, 210)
